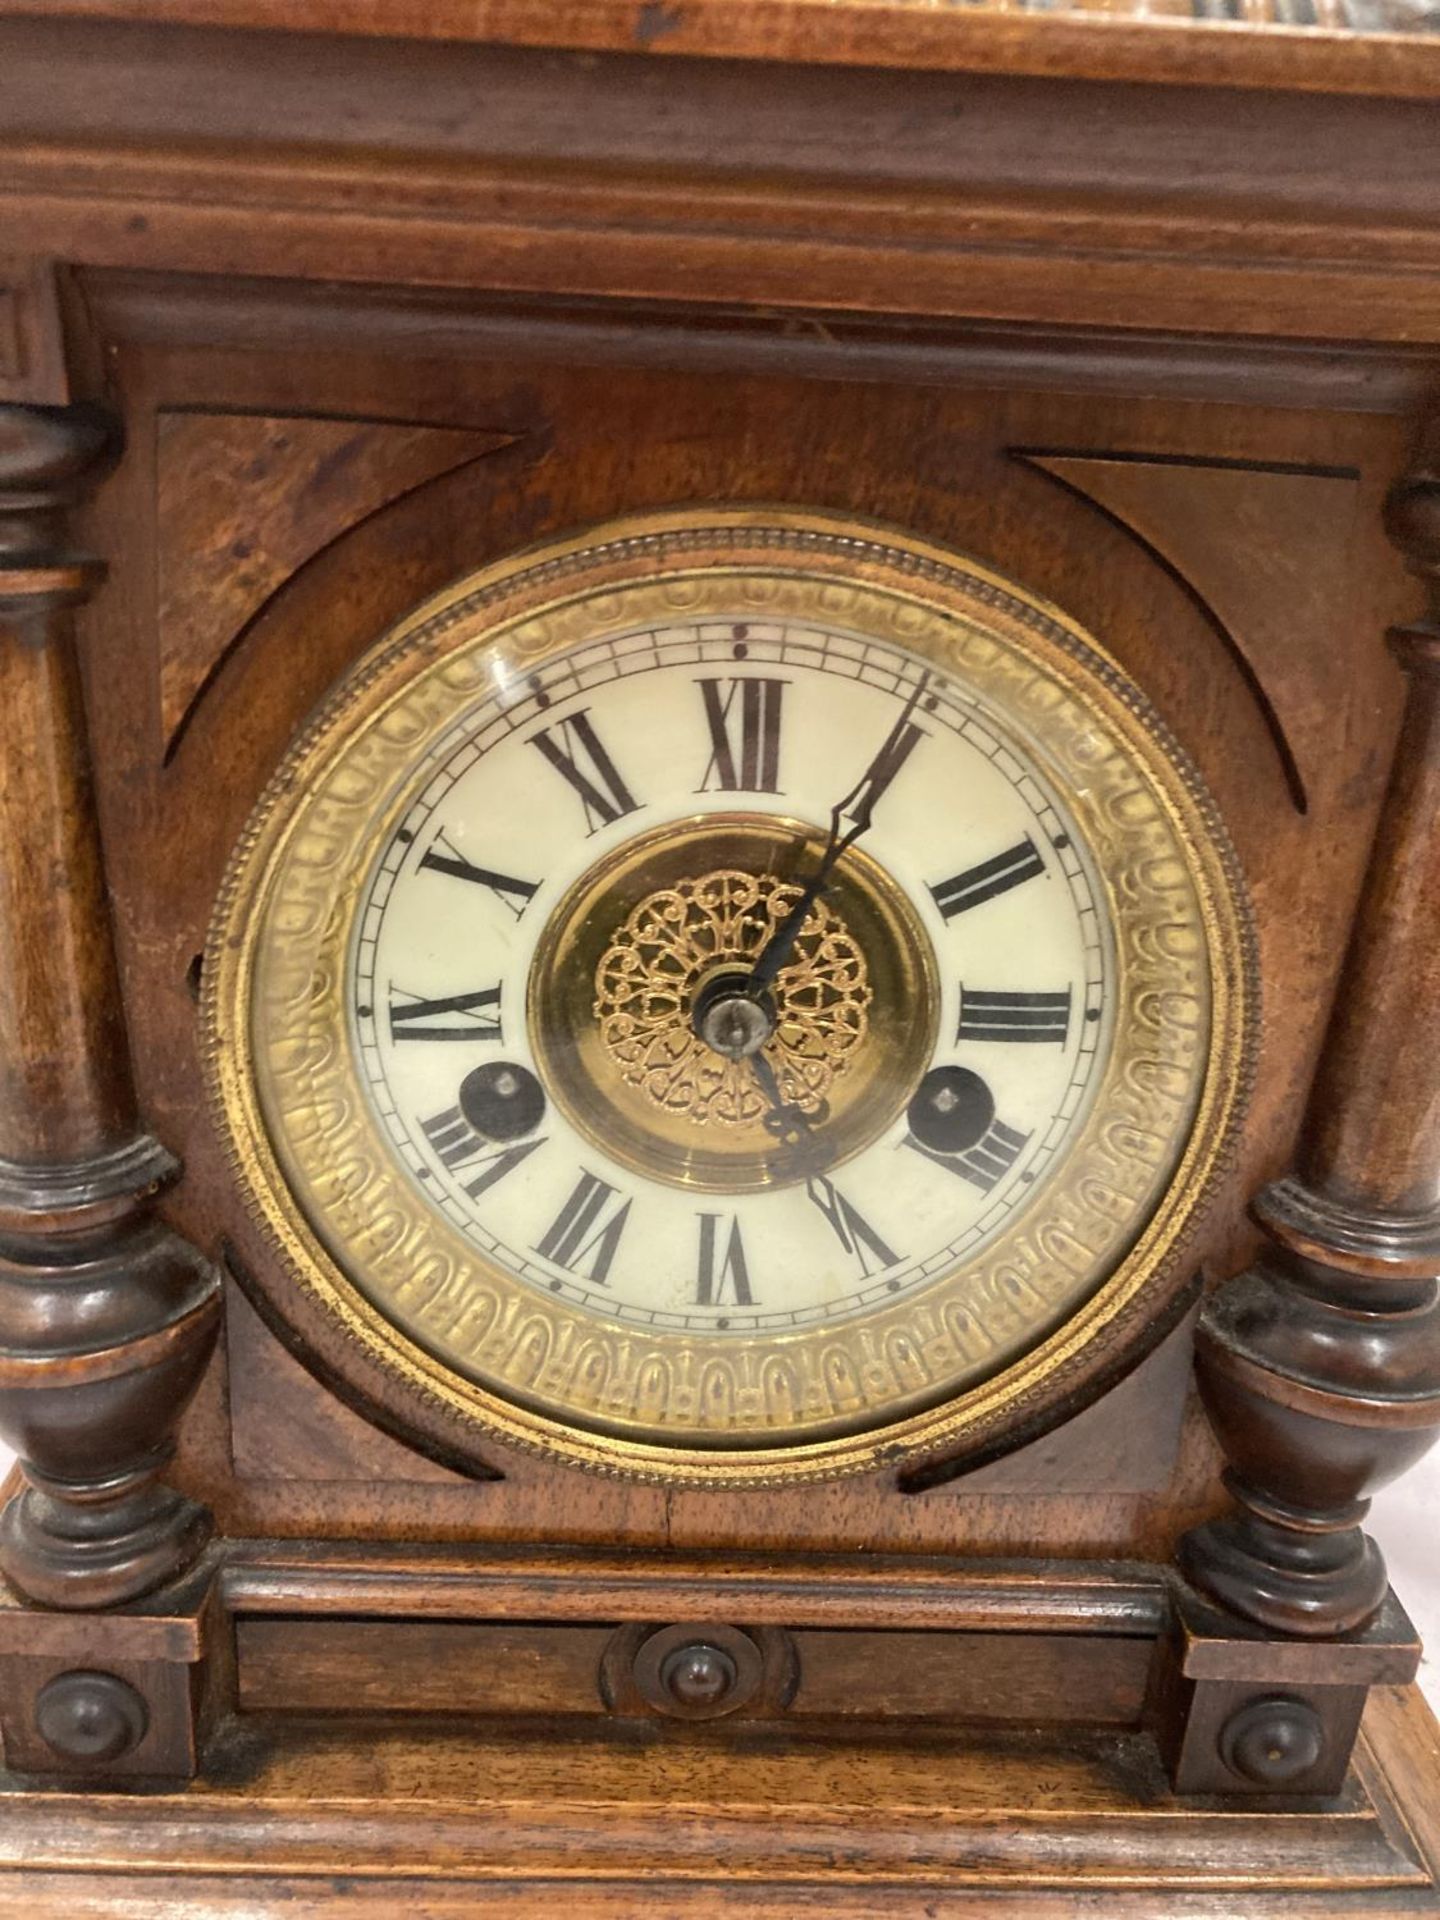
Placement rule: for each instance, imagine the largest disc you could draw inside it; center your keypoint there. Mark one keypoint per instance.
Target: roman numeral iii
(578, 755)
(743, 717)
(995, 876)
(1019, 1017)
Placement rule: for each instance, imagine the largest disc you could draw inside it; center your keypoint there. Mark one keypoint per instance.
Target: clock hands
(790, 1124)
(734, 1014)
(858, 807)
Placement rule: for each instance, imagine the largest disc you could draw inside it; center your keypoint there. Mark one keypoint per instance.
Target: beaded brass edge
(971, 619)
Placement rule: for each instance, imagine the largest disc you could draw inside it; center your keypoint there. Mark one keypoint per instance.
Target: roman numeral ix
(460, 1016)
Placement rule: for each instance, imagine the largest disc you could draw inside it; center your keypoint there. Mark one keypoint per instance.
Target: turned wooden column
(106, 1317)
(1320, 1367)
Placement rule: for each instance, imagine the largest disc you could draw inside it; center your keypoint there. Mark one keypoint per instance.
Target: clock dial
(727, 995)
(918, 1073)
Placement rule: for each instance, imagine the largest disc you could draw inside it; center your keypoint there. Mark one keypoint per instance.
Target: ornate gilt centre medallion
(727, 997)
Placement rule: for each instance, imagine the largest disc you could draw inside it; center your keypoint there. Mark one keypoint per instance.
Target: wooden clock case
(295, 327)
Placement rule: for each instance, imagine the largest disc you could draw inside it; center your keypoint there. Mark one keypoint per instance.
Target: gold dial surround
(376, 1290)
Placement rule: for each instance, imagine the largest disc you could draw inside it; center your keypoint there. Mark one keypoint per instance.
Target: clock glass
(731, 994)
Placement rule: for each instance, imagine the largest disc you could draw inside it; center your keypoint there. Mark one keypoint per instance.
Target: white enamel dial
(541, 781)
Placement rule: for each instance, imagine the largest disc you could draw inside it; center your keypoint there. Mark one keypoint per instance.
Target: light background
(1406, 1522)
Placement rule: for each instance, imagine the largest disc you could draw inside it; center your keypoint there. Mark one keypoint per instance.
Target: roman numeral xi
(579, 756)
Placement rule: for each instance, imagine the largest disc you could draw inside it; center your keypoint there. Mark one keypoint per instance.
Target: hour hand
(791, 1125)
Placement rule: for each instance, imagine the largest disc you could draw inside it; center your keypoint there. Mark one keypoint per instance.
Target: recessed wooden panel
(431, 1666)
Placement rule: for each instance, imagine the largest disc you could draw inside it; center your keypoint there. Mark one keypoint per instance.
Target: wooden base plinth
(331, 1818)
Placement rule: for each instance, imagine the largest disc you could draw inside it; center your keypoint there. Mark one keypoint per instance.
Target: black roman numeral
(986, 1163)
(442, 858)
(853, 1231)
(458, 1145)
(603, 794)
(412, 1018)
(577, 1234)
(728, 1270)
(744, 728)
(990, 878)
(1032, 1017)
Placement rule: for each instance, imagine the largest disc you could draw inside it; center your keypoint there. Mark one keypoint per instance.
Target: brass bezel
(1167, 866)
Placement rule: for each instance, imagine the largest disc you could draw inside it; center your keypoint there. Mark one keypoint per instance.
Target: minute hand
(858, 807)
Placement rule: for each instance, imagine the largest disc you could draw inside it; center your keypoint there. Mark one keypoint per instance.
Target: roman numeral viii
(578, 755)
(998, 875)
(1032, 1017)
(580, 1231)
(744, 723)
(719, 1271)
(460, 1016)
(460, 1148)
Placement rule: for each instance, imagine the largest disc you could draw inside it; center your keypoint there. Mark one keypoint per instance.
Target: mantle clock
(719, 1141)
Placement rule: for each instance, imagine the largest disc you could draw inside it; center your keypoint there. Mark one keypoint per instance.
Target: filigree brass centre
(682, 937)
(642, 971)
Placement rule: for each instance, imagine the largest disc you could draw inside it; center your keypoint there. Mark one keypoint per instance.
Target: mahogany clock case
(262, 390)
(279, 546)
